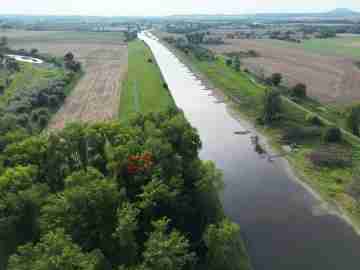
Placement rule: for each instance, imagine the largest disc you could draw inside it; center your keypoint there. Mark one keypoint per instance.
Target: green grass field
(143, 90)
(28, 77)
(348, 46)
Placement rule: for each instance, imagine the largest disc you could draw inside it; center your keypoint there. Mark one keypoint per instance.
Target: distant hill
(342, 12)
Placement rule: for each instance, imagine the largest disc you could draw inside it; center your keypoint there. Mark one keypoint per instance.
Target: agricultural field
(331, 78)
(143, 89)
(104, 59)
(346, 45)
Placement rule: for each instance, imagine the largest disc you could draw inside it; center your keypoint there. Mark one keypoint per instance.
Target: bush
(314, 120)
(299, 90)
(276, 78)
(331, 156)
(333, 135)
(296, 134)
(229, 62)
(272, 106)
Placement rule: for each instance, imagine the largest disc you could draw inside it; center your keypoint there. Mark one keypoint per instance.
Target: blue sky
(168, 7)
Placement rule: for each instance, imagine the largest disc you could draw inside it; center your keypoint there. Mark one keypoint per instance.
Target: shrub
(229, 62)
(296, 134)
(299, 90)
(314, 119)
(331, 156)
(276, 78)
(253, 53)
(272, 106)
(333, 135)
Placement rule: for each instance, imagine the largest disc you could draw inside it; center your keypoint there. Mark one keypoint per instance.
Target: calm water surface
(279, 219)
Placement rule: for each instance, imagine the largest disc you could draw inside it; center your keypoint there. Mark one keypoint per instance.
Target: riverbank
(327, 185)
(143, 89)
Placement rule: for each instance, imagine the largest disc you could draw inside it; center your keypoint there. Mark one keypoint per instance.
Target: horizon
(180, 14)
(155, 8)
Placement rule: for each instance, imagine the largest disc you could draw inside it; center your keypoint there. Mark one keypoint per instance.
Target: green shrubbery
(333, 135)
(29, 109)
(298, 133)
(313, 119)
(109, 196)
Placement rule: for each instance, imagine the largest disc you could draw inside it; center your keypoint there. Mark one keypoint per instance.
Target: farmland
(342, 46)
(330, 79)
(143, 89)
(104, 59)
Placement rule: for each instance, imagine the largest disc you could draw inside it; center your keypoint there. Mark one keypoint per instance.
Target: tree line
(110, 196)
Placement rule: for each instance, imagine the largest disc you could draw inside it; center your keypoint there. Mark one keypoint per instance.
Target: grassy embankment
(143, 90)
(248, 94)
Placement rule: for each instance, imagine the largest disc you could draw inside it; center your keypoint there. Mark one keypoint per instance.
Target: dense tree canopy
(109, 196)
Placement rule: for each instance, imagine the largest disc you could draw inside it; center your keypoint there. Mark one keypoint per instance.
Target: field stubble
(330, 79)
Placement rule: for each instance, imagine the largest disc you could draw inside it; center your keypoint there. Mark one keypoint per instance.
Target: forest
(110, 196)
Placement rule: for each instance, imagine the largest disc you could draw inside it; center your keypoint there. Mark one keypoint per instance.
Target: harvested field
(105, 59)
(96, 97)
(331, 79)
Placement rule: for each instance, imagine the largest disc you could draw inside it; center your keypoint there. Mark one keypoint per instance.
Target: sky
(168, 7)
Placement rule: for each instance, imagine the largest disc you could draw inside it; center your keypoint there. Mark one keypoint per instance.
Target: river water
(283, 224)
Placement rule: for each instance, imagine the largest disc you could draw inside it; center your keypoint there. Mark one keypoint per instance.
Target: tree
(223, 242)
(12, 65)
(20, 203)
(229, 62)
(125, 231)
(353, 120)
(272, 106)
(299, 90)
(55, 251)
(333, 135)
(3, 43)
(237, 63)
(166, 251)
(69, 57)
(87, 213)
(276, 79)
(34, 52)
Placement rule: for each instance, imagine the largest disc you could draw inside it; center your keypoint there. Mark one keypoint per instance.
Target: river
(283, 224)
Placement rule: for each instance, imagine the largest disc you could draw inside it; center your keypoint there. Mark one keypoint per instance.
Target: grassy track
(143, 90)
(248, 94)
